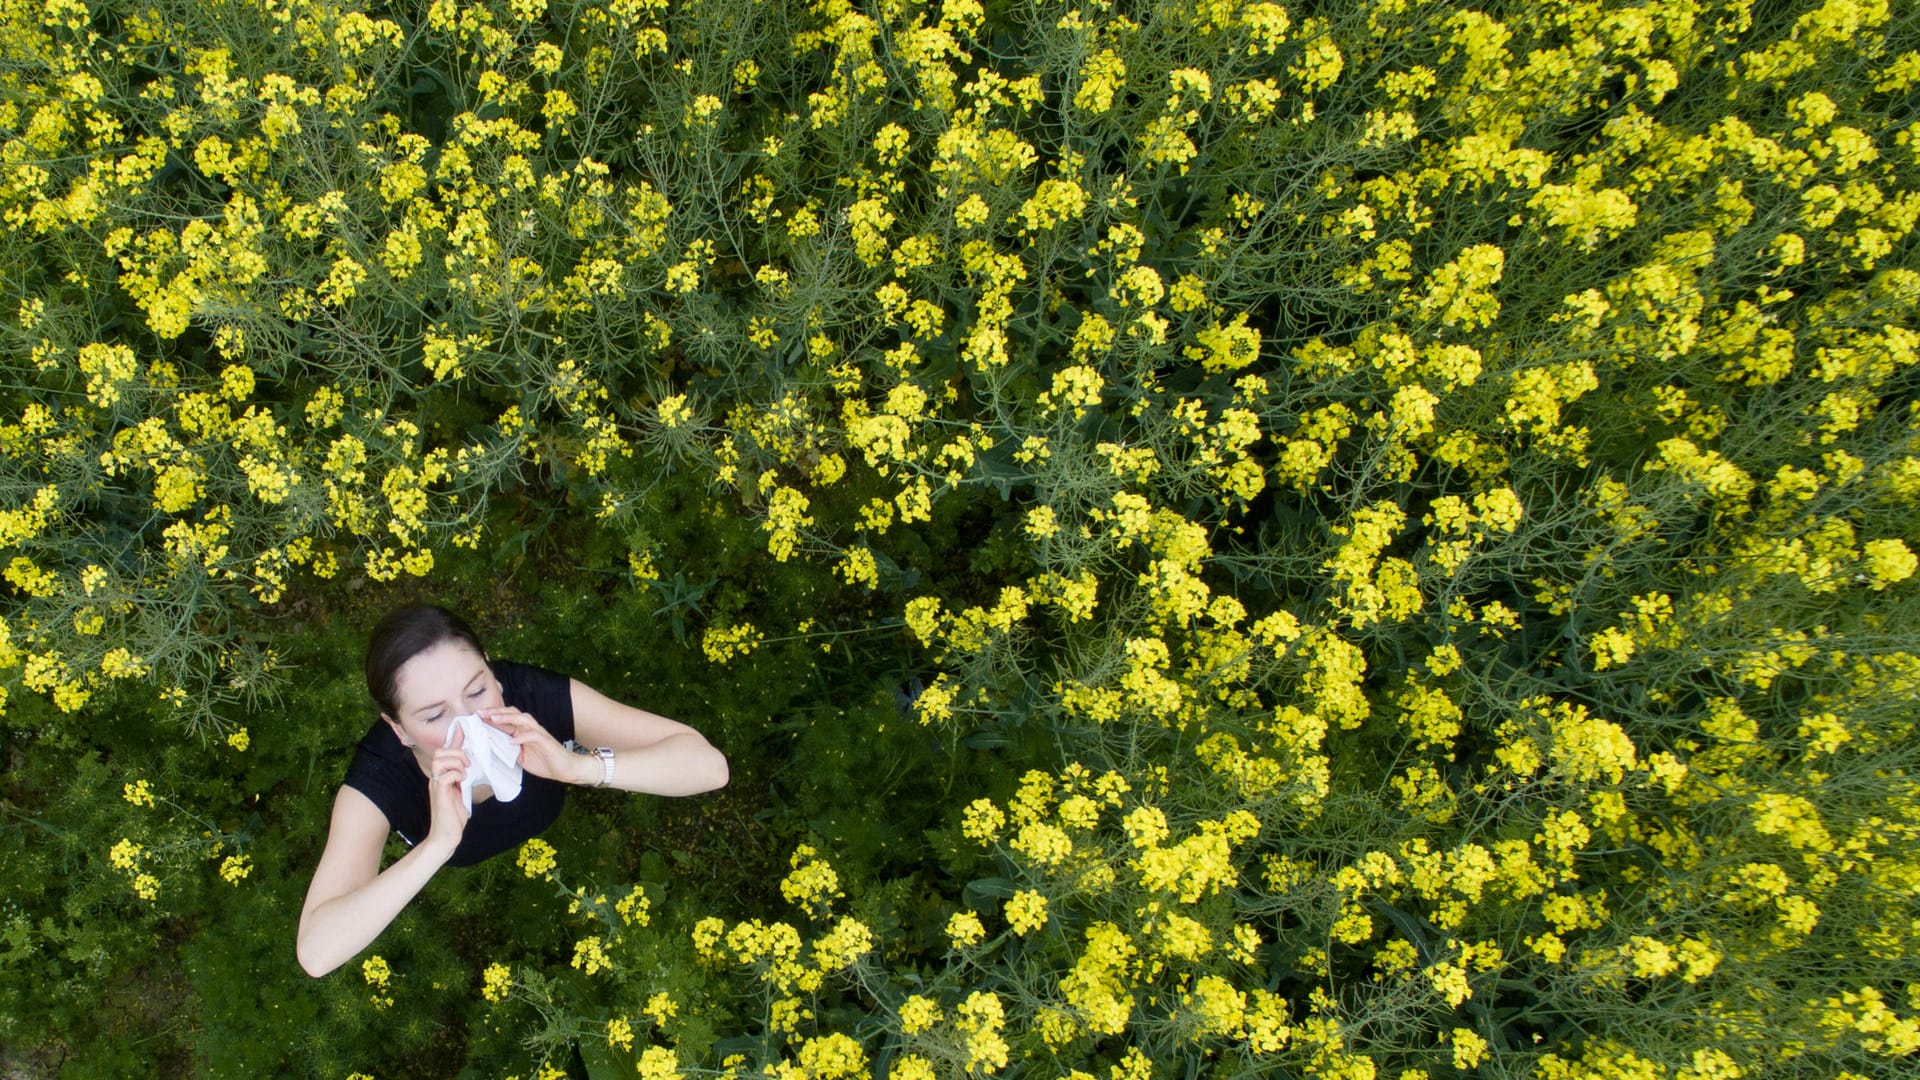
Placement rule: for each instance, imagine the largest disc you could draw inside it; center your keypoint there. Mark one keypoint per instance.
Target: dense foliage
(1349, 540)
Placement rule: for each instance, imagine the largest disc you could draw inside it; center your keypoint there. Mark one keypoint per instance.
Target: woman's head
(425, 665)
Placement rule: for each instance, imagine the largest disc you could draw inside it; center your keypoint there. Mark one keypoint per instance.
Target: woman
(426, 669)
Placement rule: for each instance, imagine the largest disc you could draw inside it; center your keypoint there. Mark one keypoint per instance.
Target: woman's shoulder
(379, 744)
(520, 677)
(387, 774)
(522, 667)
(543, 693)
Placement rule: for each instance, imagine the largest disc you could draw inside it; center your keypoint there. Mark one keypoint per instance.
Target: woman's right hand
(449, 814)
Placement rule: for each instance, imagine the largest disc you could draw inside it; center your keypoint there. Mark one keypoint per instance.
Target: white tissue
(494, 759)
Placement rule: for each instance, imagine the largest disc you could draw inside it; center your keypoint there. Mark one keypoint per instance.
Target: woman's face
(436, 685)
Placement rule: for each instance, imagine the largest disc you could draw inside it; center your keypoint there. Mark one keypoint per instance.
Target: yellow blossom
(1026, 911)
(659, 1063)
(536, 858)
(964, 929)
(590, 955)
(497, 979)
(918, 1014)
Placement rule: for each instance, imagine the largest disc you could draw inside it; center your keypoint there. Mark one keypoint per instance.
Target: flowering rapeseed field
(1392, 526)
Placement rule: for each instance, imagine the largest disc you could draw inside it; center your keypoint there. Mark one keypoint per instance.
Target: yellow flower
(832, 1057)
(236, 382)
(982, 821)
(1450, 982)
(911, 1067)
(107, 368)
(590, 955)
(971, 213)
(918, 1014)
(1101, 77)
(342, 283)
(536, 858)
(1044, 843)
(1055, 202)
(659, 1063)
(858, 567)
(786, 516)
(559, 108)
(812, 883)
(1026, 911)
(935, 702)
(1886, 562)
(235, 867)
(1226, 347)
(1461, 292)
(746, 75)
(674, 411)
(846, 943)
(1469, 1049)
(1218, 1004)
(496, 980)
(633, 908)
(721, 644)
(964, 929)
(139, 794)
(1319, 65)
(982, 1016)
(240, 740)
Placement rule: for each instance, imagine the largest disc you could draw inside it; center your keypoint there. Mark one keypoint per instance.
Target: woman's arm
(351, 899)
(652, 754)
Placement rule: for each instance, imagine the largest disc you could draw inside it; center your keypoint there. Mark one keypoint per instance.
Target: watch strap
(604, 753)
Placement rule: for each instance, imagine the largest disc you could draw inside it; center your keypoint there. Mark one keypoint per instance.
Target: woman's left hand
(540, 753)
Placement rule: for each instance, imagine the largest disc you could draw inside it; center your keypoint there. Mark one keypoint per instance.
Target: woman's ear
(397, 733)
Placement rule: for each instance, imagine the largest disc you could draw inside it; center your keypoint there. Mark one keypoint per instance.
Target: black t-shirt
(386, 772)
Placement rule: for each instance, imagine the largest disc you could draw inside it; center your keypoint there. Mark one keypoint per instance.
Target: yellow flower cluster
(659, 1063)
(496, 981)
(536, 858)
(721, 644)
(379, 976)
(235, 868)
(590, 955)
(812, 883)
(1026, 911)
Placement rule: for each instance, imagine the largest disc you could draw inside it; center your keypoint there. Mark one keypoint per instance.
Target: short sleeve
(545, 695)
(386, 773)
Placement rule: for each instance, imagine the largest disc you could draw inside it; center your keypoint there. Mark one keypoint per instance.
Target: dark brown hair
(403, 634)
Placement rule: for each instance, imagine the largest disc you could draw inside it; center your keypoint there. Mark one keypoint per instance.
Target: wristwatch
(605, 754)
